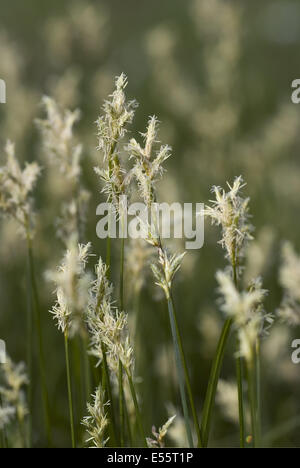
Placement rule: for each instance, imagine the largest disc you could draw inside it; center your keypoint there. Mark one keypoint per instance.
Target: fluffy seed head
(246, 309)
(230, 211)
(96, 422)
(58, 140)
(289, 277)
(16, 186)
(72, 289)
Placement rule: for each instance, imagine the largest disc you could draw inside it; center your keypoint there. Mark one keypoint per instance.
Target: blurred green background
(218, 75)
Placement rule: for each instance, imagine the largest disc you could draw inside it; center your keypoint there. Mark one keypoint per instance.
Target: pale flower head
(230, 211)
(16, 186)
(96, 422)
(118, 113)
(112, 127)
(166, 269)
(148, 161)
(58, 140)
(72, 288)
(7, 414)
(246, 310)
(108, 327)
(12, 393)
(159, 436)
(289, 278)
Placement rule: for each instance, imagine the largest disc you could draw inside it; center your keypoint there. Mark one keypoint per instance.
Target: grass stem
(239, 377)
(121, 406)
(258, 391)
(239, 373)
(70, 398)
(36, 314)
(136, 406)
(213, 382)
(183, 376)
(108, 389)
(29, 353)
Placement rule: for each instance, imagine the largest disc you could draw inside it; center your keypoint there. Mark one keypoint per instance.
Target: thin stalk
(183, 376)
(213, 382)
(37, 317)
(182, 369)
(76, 364)
(258, 391)
(127, 418)
(122, 274)
(107, 387)
(121, 305)
(108, 256)
(122, 259)
(3, 431)
(239, 374)
(29, 354)
(70, 398)
(86, 367)
(253, 398)
(121, 405)
(22, 432)
(136, 406)
(108, 240)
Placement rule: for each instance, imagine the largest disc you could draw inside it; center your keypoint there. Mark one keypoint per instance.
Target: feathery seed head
(107, 325)
(158, 441)
(289, 278)
(16, 186)
(166, 269)
(96, 422)
(230, 211)
(148, 164)
(118, 112)
(15, 378)
(246, 309)
(72, 289)
(58, 140)
(7, 413)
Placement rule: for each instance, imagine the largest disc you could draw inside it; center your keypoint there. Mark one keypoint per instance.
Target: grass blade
(213, 382)
(181, 369)
(70, 398)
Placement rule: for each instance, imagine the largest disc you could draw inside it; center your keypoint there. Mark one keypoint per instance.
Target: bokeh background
(218, 75)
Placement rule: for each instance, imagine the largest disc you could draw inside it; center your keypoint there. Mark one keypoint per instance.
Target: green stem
(22, 432)
(86, 367)
(3, 431)
(108, 256)
(122, 274)
(29, 353)
(253, 398)
(107, 387)
(183, 375)
(121, 405)
(36, 310)
(239, 373)
(70, 398)
(239, 376)
(213, 382)
(127, 418)
(258, 391)
(136, 406)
